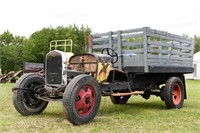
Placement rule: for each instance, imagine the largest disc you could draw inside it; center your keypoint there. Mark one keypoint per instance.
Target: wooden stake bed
(147, 50)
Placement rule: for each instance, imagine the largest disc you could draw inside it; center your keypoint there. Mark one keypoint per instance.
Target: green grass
(139, 115)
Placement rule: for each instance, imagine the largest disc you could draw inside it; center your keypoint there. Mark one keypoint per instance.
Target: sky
(24, 17)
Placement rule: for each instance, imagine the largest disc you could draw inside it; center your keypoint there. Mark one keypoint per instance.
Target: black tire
(23, 95)
(174, 93)
(162, 93)
(119, 99)
(81, 99)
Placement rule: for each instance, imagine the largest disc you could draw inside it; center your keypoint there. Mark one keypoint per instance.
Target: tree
(38, 44)
(39, 41)
(6, 38)
(197, 44)
(11, 52)
(78, 35)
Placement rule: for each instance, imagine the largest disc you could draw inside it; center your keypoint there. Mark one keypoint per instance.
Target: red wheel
(174, 93)
(85, 100)
(81, 99)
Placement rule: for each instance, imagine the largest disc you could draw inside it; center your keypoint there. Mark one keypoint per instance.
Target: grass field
(139, 115)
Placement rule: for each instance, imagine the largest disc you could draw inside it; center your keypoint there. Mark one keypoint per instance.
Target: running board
(128, 93)
(47, 99)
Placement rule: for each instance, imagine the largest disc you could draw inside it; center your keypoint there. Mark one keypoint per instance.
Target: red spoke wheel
(174, 93)
(85, 100)
(81, 99)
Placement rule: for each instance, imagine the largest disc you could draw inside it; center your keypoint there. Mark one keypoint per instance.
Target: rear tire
(81, 99)
(162, 93)
(24, 100)
(174, 93)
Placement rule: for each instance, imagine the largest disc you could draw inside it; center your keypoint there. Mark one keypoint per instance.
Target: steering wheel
(110, 52)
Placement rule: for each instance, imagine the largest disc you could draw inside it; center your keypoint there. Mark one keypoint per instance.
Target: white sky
(24, 17)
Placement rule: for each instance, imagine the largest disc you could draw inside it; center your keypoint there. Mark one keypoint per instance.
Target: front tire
(24, 100)
(174, 93)
(81, 99)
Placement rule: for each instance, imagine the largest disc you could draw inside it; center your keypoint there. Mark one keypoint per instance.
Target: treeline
(14, 50)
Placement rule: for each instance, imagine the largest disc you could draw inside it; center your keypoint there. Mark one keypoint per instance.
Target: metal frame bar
(67, 43)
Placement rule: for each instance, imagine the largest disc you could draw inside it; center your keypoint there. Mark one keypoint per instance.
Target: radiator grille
(54, 70)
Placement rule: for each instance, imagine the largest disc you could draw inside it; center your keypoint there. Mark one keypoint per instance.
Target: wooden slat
(168, 34)
(169, 62)
(132, 35)
(97, 35)
(134, 58)
(100, 39)
(145, 47)
(159, 43)
(136, 51)
(173, 52)
(133, 61)
(171, 65)
(168, 38)
(126, 64)
(132, 30)
(138, 43)
(110, 40)
(169, 57)
(187, 51)
(119, 51)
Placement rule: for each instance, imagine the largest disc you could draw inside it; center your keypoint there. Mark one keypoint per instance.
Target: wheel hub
(85, 101)
(176, 94)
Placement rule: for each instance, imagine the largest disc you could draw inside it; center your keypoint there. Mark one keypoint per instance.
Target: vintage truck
(119, 64)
